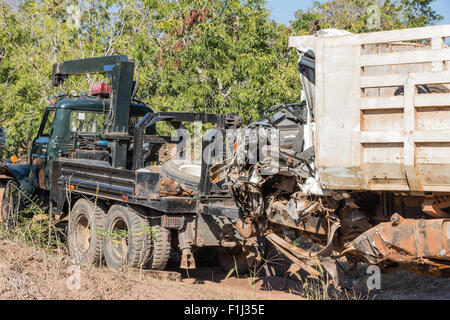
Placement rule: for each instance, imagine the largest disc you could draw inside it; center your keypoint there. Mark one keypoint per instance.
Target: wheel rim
(119, 239)
(82, 236)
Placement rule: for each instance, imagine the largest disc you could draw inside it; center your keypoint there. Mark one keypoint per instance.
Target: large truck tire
(132, 241)
(11, 204)
(185, 172)
(160, 252)
(85, 239)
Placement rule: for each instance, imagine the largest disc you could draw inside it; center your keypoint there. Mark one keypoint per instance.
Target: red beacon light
(100, 89)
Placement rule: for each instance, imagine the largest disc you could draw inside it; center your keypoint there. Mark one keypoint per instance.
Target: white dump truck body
(381, 107)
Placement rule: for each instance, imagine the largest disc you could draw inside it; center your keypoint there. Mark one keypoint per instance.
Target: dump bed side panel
(383, 110)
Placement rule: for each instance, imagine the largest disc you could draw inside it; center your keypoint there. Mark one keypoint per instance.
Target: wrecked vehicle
(363, 162)
(360, 166)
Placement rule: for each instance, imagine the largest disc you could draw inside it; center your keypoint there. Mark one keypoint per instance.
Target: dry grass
(31, 273)
(402, 285)
(399, 285)
(34, 265)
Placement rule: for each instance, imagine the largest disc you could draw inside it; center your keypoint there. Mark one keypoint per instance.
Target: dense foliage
(366, 15)
(193, 55)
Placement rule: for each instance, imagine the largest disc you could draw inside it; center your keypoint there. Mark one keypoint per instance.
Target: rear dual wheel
(120, 235)
(85, 234)
(131, 240)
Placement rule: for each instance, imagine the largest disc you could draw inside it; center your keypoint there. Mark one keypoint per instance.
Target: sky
(283, 10)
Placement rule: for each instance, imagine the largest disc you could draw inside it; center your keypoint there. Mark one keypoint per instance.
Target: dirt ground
(402, 285)
(28, 273)
(406, 286)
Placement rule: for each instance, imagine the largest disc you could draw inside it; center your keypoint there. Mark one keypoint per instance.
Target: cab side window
(91, 122)
(48, 124)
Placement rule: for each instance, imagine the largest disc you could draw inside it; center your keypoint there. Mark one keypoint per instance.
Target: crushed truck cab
(372, 180)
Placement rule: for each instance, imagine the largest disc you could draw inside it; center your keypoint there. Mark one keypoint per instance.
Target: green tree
(419, 13)
(35, 35)
(192, 55)
(366, 15)
(216, 56)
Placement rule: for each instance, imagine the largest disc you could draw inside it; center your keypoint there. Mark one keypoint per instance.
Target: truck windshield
(48, 123)
(81, 121)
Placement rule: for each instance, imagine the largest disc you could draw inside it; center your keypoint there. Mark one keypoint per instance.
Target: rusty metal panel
(425, 243)
(382, 109)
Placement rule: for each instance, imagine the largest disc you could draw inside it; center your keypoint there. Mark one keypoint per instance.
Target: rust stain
(424, 243)
(434, 206)
(246, 228)
(168, 187)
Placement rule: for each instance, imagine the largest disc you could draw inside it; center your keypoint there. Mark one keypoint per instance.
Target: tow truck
(96, 163)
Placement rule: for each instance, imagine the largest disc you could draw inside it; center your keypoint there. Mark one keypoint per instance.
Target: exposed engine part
(354, 222)
(299, 214)
(168, 188)
(228, 239)
(247, 228)
(281, 189)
